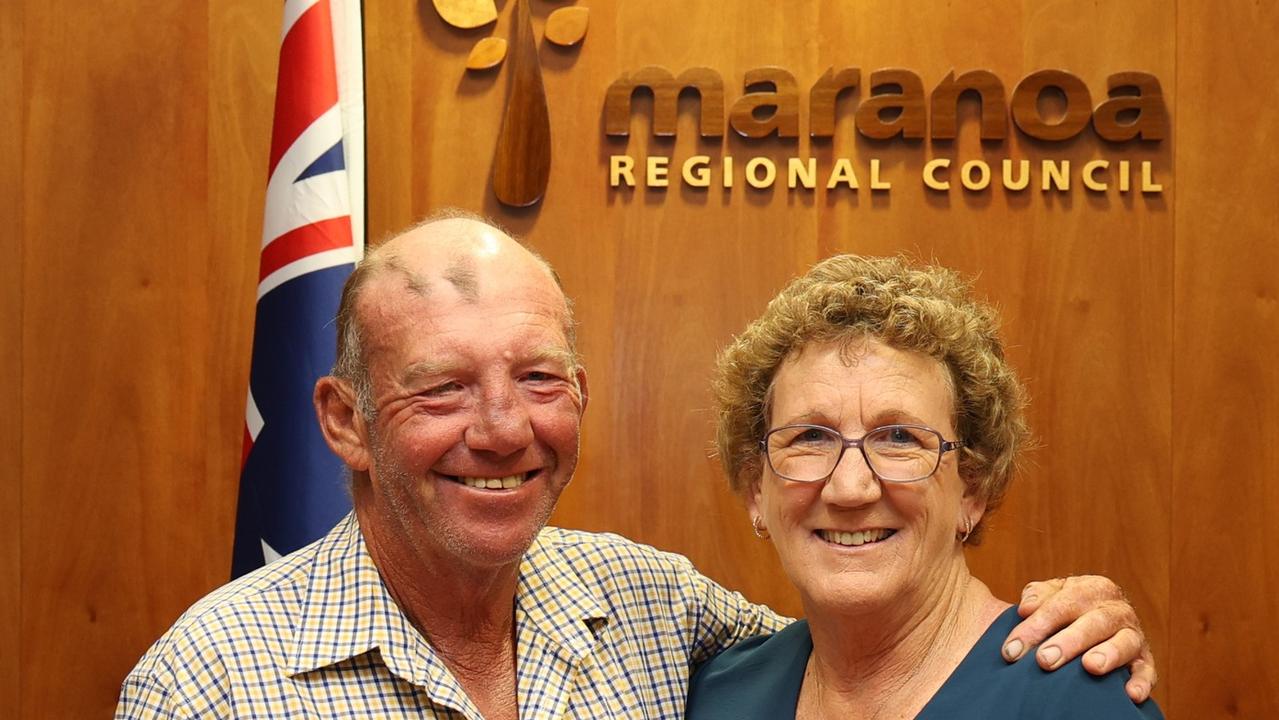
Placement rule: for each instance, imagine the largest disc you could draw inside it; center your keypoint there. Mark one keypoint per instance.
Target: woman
(871, 423)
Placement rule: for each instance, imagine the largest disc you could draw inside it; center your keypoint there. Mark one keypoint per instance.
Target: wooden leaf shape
(487, 53)
(567, 26)
(466, 14)
(522, 164)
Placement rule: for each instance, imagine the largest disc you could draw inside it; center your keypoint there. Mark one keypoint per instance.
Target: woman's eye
(811, 436)
(902, 436)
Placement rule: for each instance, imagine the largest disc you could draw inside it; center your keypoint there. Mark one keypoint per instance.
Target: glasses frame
(944, 446)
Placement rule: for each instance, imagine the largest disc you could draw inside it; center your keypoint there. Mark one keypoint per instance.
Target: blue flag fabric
(292, 489)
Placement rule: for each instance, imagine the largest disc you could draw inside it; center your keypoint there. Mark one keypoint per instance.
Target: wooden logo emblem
(522, 163)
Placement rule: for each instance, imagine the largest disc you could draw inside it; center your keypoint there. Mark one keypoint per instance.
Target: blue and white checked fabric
(605, 628)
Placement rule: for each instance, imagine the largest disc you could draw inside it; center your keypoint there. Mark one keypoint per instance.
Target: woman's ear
(972, 508)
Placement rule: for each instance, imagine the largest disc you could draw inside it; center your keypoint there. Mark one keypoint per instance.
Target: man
(456, 402)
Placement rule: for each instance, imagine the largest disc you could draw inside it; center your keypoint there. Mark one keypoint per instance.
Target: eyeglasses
(894, 453)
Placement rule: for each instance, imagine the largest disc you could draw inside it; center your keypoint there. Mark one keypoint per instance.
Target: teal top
(761, 677)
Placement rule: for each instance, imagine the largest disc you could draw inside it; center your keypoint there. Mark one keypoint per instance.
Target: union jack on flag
(292, 489)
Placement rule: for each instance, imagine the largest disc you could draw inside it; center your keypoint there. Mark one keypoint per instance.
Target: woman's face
(912, 550)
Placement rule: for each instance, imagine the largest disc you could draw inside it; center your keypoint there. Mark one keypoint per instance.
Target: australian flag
(292, 489)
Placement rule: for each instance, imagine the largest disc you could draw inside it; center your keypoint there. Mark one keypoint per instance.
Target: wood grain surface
(1225, 593)
(121, 519)
(1143, 323)
(12, 240)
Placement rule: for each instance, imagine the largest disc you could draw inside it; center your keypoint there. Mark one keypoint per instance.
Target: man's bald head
(450, 249)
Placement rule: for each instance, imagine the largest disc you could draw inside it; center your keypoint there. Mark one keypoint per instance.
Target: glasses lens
(903, 453)
(804, 453)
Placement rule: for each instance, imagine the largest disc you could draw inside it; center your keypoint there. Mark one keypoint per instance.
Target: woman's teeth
(503, 483)
(855, 538)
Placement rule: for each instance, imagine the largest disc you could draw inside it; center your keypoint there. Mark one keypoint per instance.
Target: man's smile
(507, 482)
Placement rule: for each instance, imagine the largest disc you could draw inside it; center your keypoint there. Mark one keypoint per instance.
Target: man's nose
(501, 425)
(852, 483)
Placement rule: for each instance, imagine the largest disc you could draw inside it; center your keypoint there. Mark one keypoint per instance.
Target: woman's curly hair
(927, 310)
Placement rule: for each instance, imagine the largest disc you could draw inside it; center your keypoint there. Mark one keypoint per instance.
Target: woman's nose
(852, 483)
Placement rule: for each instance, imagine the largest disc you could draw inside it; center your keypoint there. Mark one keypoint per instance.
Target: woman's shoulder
(759, 677)
(984, 686)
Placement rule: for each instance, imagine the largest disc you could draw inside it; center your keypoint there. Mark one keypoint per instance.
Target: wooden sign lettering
(781, 96)
(1151, 122)
(666, 90)
(1026, 105)
(822, 99)
(990, 93)
(912, 117)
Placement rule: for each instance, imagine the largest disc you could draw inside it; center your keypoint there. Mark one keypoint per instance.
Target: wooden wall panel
(141, 162)
(391, 33)
(11, 252)
(117, 507)
(243, 38)
(1225, 592)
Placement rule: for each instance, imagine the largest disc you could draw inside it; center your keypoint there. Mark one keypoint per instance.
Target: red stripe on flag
(307, 240)
(306, 86)
(245, 447)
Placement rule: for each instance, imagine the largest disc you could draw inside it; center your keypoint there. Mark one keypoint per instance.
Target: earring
(758, 526)
(968, 530)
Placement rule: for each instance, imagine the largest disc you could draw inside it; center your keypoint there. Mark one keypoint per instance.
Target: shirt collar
(554, 601)
(347, 611)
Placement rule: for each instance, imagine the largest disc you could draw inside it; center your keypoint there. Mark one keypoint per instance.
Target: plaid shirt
(605, 628)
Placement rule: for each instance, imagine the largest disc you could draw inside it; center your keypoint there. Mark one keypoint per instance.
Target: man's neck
(467, 615)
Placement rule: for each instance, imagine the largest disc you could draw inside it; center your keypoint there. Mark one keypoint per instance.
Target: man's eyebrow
(426, 369)
(553, 353)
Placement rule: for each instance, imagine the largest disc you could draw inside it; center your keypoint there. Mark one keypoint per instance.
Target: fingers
(1144, 677)
(1088, 614)
(1126, 646)
(1035, 593)
(1092, 606)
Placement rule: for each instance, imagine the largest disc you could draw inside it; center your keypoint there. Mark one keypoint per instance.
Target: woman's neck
(889, 661)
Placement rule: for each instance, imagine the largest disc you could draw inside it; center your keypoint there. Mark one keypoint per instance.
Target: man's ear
(581, 389)
(341, 422)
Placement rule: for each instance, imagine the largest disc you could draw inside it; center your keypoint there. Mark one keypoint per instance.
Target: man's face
(478, 412)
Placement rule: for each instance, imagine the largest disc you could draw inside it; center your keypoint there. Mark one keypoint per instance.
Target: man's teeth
(855, 538)
(504, 483)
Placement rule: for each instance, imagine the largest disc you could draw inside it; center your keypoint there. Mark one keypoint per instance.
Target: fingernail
(1013, 649)
(1029, 598)
(1141, 690)
(1099, 660)
(1050, 655)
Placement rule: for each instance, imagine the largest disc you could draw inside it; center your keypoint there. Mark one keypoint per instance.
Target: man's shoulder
(258, 608)
(586, 550)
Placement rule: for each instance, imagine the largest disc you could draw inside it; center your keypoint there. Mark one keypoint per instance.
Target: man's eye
(540, 376)
(440, 390)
